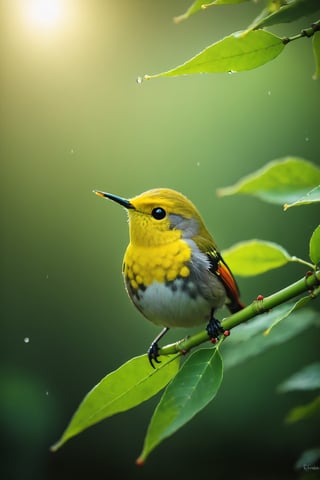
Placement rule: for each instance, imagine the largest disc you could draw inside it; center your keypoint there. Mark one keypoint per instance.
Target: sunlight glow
(45, 13)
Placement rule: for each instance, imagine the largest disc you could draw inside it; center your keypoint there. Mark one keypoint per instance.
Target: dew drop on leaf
(26, 339)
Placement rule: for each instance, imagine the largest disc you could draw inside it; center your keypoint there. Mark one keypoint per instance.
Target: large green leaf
(280, 181)
(308, 378)
(254, 257)
(315, 246)
(234, 53)
(289, 12)
(247, 340)
(128, 386)
(190, 391)
(316, 52)
(311, 197)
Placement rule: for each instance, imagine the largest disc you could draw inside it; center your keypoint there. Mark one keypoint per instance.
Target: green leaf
(308, 378)
(287, 13)
(314, 247)
(283, 180)
(190, 391)
(234, 53)
(300, 303)
(201, 4)
(316, 52)
(238, 349)
(128, 386)
(311, 197)
(254, 257)
(303, 412)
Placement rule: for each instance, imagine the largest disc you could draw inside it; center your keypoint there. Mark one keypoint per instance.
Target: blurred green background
(74, 119)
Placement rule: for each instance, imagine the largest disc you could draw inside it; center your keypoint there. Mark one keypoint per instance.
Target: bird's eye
(158, 213)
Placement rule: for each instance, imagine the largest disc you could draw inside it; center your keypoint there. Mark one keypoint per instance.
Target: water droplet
(139, 80)
(307, 139)
(231, 72)
(26, 339)
(269, 92)
(198, 164)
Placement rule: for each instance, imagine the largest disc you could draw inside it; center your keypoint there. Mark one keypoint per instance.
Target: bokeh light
(45, 14)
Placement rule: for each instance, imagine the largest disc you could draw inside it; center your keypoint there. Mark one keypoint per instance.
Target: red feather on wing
(221, 269)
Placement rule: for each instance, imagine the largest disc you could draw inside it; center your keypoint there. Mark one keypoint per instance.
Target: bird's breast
(144, 265)
(171, 285)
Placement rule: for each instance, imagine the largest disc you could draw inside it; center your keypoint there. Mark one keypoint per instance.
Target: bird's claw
(214, 329)
(153, 354)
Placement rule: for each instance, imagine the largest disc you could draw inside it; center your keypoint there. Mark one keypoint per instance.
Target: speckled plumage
(178, 290)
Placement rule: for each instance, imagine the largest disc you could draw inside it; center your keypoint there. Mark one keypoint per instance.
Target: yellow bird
(173, 271)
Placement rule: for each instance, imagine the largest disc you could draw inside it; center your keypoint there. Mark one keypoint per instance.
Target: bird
(173, 271)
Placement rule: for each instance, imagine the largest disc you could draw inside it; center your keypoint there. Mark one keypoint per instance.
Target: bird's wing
(219, 267)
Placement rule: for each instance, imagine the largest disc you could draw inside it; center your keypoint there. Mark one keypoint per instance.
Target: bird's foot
(153, 354)
(214, 330)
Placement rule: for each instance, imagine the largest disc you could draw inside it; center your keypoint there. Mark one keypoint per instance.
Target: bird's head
(160, 216)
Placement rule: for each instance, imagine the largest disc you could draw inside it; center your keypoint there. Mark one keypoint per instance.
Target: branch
(310, 283)
(306, 32)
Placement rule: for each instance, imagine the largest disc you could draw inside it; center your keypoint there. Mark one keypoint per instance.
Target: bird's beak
(122, 201)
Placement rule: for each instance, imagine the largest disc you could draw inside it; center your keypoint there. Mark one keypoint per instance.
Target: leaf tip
(55, 447)
(205, 6)
(151, 77)
(223, 192)
(140, 461)
(179, 18)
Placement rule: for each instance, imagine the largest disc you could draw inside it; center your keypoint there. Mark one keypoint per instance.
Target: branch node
(184, 352)
(258, 304)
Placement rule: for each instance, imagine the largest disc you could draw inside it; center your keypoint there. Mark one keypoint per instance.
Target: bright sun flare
(45, 13)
